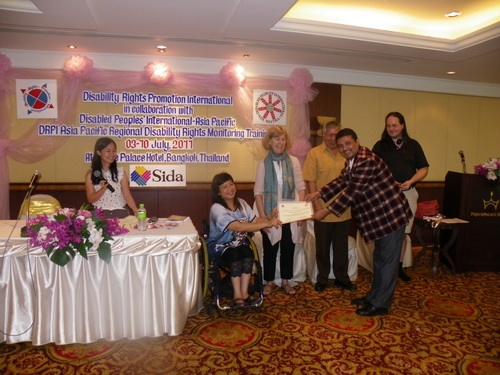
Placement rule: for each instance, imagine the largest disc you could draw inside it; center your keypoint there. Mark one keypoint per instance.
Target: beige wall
(442, 123)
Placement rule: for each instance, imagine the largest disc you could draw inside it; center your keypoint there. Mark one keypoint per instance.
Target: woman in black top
(407, 162)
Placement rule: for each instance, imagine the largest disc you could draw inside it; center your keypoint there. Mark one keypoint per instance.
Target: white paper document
(290, 211)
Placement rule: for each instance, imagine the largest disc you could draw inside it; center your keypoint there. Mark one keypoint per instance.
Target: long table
(149, 288)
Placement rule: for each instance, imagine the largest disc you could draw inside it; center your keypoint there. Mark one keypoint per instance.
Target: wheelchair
(216, 285)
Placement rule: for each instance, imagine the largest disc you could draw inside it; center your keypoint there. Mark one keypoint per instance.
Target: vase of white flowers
(490, 170)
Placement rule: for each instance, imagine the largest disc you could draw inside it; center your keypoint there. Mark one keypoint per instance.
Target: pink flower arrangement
(158, 73)
(68, 231)
(78, 66)
(301, 80)
(5, 64)
(233, 75)
(490, 169)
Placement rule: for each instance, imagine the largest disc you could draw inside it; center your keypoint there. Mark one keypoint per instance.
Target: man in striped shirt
(380, 211)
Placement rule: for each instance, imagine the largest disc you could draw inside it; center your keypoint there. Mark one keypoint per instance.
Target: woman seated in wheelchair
(230, 220)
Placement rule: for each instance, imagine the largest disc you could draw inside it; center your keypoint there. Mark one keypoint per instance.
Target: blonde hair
(274, 132)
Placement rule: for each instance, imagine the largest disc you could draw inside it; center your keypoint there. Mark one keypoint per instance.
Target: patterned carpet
(449, 325)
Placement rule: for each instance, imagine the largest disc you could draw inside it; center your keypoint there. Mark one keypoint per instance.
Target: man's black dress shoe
(319, 287)
(360, 301)
(402, 274)
(352, 287)
(370, 310)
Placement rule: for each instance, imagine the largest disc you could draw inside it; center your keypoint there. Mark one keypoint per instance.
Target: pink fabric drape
(30, 147)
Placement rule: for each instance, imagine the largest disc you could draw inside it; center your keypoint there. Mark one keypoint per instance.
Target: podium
(473, 198)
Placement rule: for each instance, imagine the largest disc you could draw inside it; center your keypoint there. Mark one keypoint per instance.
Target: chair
(216, 280)
(40, 204)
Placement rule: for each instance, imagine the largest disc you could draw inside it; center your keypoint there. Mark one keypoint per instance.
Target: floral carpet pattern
(446, 325)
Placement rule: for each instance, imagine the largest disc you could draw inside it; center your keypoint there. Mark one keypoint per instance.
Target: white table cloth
(149, 288)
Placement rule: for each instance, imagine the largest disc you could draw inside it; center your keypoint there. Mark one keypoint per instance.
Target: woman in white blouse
(107, 185)
(279, 177)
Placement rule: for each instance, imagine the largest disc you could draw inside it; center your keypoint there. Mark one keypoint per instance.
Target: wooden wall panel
(194, 200)
(326, 103)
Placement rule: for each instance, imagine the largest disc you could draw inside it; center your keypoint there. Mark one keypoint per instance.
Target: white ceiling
(405, 37)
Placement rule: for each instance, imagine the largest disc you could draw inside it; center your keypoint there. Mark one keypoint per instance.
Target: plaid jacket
(378, 205)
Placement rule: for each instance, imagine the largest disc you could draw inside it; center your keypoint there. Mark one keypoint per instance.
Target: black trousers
(336, 236)
(287, 250)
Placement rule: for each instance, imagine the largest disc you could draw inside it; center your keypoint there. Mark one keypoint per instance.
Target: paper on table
(128, 222)
(177, 218)
(453, 221)
(290, 211)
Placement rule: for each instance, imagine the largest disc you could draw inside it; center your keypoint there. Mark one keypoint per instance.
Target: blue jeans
(385, 268)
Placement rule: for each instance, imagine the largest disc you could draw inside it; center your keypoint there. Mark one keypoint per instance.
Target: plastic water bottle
(142, 219)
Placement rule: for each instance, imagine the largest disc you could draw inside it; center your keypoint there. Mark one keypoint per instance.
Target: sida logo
(158, 175)
(269, 107)
(140, 175)
(36, 98)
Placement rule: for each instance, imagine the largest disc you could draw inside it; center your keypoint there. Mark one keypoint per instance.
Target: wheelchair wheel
(257, 284)
(204, 269)
(216, 281)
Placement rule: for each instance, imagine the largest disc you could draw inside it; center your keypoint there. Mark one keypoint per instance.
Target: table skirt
(149, 288)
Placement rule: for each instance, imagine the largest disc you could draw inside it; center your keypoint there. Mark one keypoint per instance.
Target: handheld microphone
(34, 180)
(98, 175)
(462, 156)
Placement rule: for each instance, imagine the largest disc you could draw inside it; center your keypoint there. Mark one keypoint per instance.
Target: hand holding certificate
(290, 211)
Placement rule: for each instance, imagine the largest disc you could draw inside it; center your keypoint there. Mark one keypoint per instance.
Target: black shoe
(347, 286)
(370, 310)
(252, 301)
(320, 287)
(403, 275)
(360, 301)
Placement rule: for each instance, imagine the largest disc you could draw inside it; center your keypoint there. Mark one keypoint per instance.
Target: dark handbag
(427, 208)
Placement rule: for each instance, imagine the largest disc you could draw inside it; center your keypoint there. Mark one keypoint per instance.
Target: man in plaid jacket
(380, 211)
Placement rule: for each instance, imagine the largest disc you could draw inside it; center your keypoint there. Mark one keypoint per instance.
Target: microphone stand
(462, 157)
(27, 198)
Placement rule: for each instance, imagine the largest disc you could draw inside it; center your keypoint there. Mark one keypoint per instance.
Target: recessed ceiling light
(161, 48)
(452, 14)
(451, 73)
(71, 46)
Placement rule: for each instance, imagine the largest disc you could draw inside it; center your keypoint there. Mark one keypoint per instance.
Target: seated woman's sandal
(239, 302)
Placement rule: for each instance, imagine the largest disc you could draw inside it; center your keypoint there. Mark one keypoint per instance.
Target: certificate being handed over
(289, 211)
